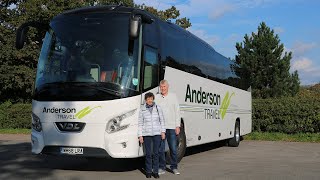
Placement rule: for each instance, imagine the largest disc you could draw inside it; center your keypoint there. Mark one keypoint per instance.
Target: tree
(169, 14)
(18, 67)
(261, 63)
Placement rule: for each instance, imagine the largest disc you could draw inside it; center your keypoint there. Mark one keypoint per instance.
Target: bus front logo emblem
(70, 126)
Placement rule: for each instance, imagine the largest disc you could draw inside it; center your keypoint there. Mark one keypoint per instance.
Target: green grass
(15, 131)
(274, 136)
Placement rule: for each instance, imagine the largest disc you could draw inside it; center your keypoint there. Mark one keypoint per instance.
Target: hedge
(287, 115)
(15, 116)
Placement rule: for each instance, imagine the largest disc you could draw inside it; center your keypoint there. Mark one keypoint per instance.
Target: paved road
(251, 160)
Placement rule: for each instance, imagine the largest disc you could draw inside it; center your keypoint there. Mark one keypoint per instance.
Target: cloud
(221, 11)
(255, 3)
(306, 65)
(300, 48)
(212, 9)
(233, 38)
(210, 39)
(197, 8)
(303, 64)
(309, 73)
(278, 30)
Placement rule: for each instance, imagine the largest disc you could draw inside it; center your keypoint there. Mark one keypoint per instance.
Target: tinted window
(184, 51)
(151, 67)
(172, 46)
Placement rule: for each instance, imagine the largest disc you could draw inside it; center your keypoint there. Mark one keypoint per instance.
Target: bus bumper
(122, 144)
(37, 143)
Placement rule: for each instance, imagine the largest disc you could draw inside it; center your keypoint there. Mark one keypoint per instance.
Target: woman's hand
(163, 136)
(177, 131)
(141, 140)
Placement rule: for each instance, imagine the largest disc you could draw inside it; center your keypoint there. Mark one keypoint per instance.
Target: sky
(224, 23)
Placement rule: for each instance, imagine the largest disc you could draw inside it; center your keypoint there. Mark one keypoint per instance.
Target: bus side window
(150, 67)
(95, 72)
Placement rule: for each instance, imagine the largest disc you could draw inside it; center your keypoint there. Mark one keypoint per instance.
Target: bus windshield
(86, 57)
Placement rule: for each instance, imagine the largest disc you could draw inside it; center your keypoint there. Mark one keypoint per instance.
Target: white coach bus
(97, 63)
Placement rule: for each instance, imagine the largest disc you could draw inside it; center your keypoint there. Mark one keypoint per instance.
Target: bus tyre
(181, 145)
(234, 142)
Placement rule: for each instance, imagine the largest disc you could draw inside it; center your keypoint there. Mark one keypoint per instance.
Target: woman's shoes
(156, 175)
(148, 175)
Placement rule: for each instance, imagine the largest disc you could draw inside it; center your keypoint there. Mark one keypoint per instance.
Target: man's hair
(147, 95)
(164, 82)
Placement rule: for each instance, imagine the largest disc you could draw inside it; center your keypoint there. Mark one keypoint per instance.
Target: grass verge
(275, 136)
(15, 131)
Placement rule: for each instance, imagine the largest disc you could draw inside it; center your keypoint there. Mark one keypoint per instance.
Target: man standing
(171, 111)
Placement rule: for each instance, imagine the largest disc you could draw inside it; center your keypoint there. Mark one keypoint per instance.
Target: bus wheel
(181, 145)
(234, 142)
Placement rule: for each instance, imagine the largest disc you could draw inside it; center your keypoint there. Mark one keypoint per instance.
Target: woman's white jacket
(151, 123)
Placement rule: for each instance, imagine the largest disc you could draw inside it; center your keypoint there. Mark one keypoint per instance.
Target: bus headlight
(36, 124)
(115, 125)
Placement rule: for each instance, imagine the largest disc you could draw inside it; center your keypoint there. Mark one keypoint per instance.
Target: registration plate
(65, 150)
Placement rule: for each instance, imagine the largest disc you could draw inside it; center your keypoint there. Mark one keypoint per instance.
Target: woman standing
(151, 130)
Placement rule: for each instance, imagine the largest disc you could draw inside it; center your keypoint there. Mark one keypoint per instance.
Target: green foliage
(274, 136)
(310, 92)
(15, 131)
(18, 67)
(169, 14)
(262, 62)
(298, 114)
(15, 116)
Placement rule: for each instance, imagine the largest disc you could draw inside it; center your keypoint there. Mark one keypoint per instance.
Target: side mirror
(134, 26)
(21, 35)
(23, 30)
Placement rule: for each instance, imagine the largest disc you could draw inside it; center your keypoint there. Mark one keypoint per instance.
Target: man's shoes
(175, 171)
(148, 175)
(161, 171)
(156, 175)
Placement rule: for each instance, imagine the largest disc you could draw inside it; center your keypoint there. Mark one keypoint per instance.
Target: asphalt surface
(251, 160)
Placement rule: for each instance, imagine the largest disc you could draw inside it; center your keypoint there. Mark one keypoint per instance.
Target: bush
(15, 116)
(288, 115)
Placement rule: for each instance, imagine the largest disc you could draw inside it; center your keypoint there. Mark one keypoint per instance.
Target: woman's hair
(147, 95)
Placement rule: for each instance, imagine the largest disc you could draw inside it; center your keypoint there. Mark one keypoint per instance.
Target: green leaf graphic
(82, 111)
(228, 102)
(224, 100)
(85, 112)
(225, 104)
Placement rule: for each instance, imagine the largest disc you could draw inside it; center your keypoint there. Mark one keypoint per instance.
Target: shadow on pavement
(204, 147)
(16, 160)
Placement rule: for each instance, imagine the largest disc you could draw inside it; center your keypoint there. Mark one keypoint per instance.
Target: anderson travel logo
(210, 98)
(70, 113)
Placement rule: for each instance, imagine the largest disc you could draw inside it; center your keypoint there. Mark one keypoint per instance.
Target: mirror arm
(146, 18)
(23, 30)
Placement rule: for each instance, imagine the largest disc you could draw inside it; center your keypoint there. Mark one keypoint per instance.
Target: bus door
(150, 71)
